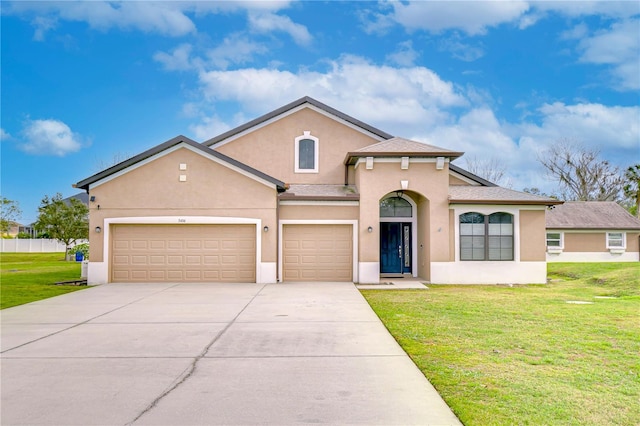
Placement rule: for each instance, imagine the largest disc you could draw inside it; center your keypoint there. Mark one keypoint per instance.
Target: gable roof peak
(283, 110)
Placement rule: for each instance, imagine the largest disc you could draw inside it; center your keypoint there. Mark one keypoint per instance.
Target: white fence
(19, 245)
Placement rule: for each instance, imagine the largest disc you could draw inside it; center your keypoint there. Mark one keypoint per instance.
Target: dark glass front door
(395, 248)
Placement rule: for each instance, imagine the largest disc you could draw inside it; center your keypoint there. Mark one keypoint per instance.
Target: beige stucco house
(308, 193)
(592, 231)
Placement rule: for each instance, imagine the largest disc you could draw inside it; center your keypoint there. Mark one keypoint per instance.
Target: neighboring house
(592, 231)
(308, 193)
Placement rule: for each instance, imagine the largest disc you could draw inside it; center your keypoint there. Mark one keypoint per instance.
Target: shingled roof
(591, 215)
(460, 194)
(396, 147)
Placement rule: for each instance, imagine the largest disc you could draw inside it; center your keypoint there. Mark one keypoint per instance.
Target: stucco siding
(532, 235)
(585, 242)
(210, 189)
(311, 212)
(271, 149)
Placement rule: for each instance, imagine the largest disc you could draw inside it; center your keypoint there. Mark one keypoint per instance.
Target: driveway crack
(190, 370)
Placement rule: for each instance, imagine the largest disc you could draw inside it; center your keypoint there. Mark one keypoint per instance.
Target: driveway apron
(207, 354)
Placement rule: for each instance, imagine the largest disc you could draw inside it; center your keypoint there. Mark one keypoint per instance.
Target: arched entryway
(398, 235)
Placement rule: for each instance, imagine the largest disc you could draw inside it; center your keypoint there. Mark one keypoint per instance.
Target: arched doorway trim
(412, 219)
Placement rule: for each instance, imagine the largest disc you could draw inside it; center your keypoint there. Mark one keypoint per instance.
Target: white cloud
(472, 17)
(618, 46)
(49, 137)
(235, 49)
(178, 60)
(4, 135)
(162, 17)
(398, 98)
(208, 128)
(405, 55)
(459, 50)
(268, 22)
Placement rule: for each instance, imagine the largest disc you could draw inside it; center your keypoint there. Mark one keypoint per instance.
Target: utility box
(84, 269)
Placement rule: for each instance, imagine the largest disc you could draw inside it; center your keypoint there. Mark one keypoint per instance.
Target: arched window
(486, 237)
(395, 207)
(306, 153)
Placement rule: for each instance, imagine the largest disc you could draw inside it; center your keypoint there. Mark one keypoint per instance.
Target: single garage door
(317, 252)
(156, 253)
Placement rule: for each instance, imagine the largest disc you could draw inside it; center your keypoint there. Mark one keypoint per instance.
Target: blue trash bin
(79, 256)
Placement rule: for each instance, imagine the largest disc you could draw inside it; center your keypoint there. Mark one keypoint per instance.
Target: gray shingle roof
(459, 194)
(396, 147)
(591, 215)
(321, 192)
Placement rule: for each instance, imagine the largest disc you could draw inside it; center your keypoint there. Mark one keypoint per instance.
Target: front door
(395, 248)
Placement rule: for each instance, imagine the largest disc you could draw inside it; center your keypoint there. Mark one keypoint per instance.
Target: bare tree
(101, 164)
(580, 172)
(631, 187)
(491, 169)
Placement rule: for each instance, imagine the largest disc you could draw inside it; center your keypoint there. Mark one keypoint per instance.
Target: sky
(87, 84)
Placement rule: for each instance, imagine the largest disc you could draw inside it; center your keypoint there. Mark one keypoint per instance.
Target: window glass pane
(615, 239)
(395, 207)
(306, 154)
(553, 239)
(500, 218)
(472, 218)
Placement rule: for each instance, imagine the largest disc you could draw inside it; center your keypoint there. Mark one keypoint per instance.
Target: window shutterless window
(306, 153)
(486, 237)
(554, 239)
(615, 240)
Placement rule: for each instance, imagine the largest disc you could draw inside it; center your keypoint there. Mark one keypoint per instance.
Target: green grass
(521, 355)
(27, 277)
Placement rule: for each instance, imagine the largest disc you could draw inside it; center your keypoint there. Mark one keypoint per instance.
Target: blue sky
(88, 83)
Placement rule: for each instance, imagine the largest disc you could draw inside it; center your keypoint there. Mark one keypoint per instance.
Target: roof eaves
(470, 175)
(288, 197)
(306, 99)
(351, 157)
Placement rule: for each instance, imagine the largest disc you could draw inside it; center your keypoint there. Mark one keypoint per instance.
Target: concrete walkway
(201, 354)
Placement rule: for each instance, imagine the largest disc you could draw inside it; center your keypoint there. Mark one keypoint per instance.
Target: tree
(64, 221)
(580, 172)
(491, 169)
(9, 213)
(631, 187)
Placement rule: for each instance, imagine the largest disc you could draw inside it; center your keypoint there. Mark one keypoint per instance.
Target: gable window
(615, 240)
(554, 240)
(306, 153)
(486, 237)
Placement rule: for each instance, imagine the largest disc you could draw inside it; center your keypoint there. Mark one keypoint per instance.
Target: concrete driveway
(186, 354)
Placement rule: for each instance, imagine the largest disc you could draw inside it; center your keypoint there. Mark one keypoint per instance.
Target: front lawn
(522, 355)
(27, 277)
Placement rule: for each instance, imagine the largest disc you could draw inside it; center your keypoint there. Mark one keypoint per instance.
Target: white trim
(173, 149)
(293, 111)
(487, 210)
(598, 256)
(354, 226)
(369, 272)
(398, 159)
(489, 272)
(180, 220)
(494, 208)
(414, 229)
(617, 248)
(316, 151)
(554, 249)
(319, 203)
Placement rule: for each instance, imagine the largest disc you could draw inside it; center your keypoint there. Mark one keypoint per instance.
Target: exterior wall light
(92, 198)
(370, 229)
(98, 230)
(266, 228)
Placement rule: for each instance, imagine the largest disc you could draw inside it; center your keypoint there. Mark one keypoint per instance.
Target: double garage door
(197, 253)
(227, 253)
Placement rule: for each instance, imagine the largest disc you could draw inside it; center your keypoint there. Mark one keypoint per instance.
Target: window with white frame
(306, 153)
(486, 237)
(615, 240)
(554, 240)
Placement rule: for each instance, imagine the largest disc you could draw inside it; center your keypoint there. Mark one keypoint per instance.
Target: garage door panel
(317, 252)
(183, 253)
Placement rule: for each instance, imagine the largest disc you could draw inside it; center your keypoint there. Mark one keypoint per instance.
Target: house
(308, 193)
(592, 231)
